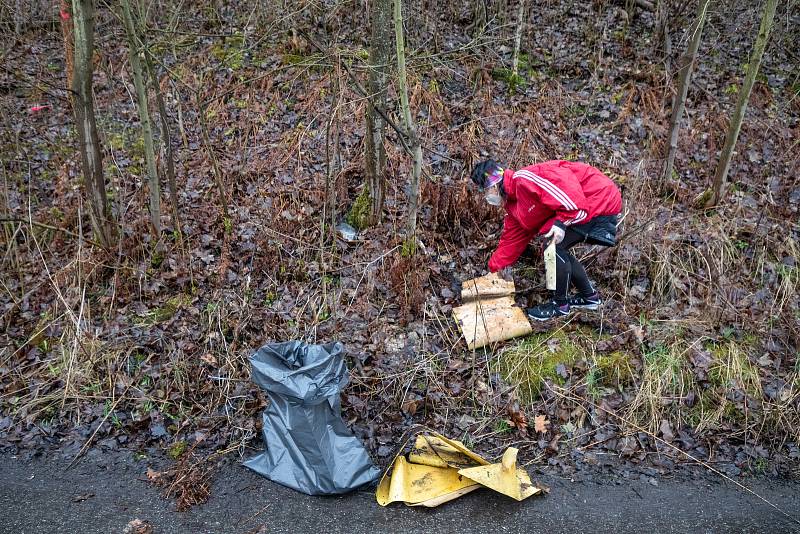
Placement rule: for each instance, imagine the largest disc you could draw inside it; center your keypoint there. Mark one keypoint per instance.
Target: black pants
(569, 270)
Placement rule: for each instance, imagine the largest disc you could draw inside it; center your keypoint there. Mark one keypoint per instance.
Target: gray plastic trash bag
(309, 448)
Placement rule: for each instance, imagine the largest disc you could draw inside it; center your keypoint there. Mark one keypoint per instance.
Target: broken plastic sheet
(309, 448)
(439, 470)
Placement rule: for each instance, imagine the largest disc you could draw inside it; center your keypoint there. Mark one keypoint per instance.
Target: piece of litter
(505, 477)
(417, 484)
(438, 470)
(347, 232)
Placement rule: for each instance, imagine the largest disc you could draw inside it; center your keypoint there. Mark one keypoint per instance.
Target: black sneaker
(549, 310)
(585, 303)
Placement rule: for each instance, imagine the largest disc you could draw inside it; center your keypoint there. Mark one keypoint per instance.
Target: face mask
(494, 199)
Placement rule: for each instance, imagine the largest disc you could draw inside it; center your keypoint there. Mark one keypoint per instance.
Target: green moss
(359, 214)
(409, 247)
(116, 140)
(514, 81)
(156, 259)
(615, 369)
(712, 408)
(176, 450)
(293, 59)
(531, 272)
(311, 61)
(136, 148)
(760, 466)
(230, 51)
(168, 310)
(537, 358)
(702, 199)
(56, 214)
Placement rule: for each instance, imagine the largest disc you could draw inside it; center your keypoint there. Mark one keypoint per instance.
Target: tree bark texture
(66, 32)
(518, 39)
(166, 137)
(411, 131)
(135, 56)
(661, 38)
(375, 152)
(684, 80)
(83, 107)
(724, 165)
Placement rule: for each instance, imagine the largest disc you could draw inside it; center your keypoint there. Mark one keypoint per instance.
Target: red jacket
(554, 192)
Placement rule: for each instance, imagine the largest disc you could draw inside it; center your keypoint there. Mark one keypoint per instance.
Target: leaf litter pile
(145, 347)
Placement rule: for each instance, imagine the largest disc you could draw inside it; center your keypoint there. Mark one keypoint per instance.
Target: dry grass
(782, 412)
(75, 372)
(663, 387)
(734, 383)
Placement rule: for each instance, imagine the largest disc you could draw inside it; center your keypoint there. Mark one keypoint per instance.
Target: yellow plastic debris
(436, 501)
(422, 485)
(441, 452)
(439, 470)
(504, 477)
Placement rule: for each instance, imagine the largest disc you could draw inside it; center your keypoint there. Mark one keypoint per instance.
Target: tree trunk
(329, 214)
(479, 18)
(413, 136)
(66, 32)
(218, 178)
(684, 80)
(518, 39)
(375, 152)
(724, 165)
(135, 56)
(661, 38)
(83, 107)
(166, 138)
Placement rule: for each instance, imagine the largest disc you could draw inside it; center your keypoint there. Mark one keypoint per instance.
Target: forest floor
(693, 358)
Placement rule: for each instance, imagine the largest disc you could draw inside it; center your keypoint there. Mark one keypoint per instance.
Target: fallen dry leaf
(540, 423)
(518, 418)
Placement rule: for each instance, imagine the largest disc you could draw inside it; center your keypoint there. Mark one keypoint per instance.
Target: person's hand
(555, 234)
(506, 274)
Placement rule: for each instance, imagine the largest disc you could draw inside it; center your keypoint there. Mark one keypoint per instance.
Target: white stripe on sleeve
(548, 186)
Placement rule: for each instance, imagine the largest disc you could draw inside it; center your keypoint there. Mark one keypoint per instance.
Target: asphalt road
(103, 494)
